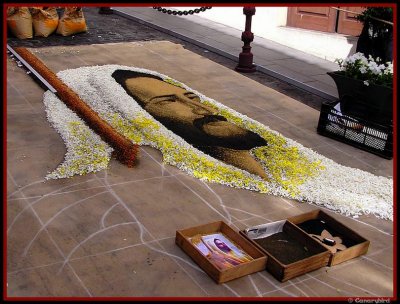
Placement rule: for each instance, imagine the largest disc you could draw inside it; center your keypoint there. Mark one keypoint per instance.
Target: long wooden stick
(126, 151)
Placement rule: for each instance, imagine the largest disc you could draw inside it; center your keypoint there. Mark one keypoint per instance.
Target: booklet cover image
(220, 250)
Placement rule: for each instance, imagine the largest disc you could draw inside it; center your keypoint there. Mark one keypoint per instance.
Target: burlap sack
(72, 22)
(19, 21)
(45, 21)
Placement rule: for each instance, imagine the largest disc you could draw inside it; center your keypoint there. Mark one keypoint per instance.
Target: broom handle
(126, 151)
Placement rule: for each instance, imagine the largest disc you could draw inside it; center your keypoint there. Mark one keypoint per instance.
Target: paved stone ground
(112, 233)
(113, 28)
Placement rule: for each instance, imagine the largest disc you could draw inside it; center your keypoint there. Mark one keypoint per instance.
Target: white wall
(266, 18)
(270, 23)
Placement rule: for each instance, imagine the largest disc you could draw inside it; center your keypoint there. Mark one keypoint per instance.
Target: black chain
(180, 13)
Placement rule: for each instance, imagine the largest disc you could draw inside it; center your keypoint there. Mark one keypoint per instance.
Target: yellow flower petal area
(284, 164)
(85, 153)
(173, 82)
(125, 127)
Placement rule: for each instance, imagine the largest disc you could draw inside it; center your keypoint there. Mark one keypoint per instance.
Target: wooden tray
(220, 276)
(283, 272)
(360, 244)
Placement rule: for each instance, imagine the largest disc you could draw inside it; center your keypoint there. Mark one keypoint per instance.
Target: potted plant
(376, 38)
(365, 88)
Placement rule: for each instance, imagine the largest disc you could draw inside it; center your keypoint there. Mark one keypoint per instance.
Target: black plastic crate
(366, 135)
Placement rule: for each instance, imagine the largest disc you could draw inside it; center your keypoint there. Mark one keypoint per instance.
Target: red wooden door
(312, 18)
(347, 22)
(326, 19)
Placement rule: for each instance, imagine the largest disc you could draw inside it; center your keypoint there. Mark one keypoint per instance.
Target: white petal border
(346, 190)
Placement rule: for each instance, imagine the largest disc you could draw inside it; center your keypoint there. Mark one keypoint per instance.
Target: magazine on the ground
(220, 250)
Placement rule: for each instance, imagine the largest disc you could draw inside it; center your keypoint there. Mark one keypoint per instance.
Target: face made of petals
(182, 112)
(165, 101)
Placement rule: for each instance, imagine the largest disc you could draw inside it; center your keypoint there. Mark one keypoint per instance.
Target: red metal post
(246, 56)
